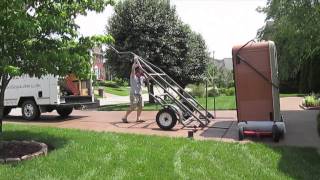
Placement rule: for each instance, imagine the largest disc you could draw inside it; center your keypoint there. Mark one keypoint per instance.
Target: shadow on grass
(43, 119)
(299, 163)
(52, 141)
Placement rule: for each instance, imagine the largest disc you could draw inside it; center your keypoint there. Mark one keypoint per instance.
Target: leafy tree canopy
(151, 29)
(40, 37)
(295, 29)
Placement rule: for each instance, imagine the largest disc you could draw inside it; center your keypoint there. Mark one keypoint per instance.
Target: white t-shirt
(136, 84)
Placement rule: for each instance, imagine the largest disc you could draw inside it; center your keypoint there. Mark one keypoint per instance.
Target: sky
(222, 23)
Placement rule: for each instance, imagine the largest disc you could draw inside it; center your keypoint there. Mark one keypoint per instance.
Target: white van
(38, 95)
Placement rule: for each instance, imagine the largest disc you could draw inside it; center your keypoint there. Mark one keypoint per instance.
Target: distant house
(228, 63)
(224, 63)
(99, 63)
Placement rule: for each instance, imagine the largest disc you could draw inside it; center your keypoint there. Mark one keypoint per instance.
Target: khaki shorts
(136, 101)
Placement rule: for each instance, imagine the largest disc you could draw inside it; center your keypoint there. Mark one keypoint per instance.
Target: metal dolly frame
(178, 105)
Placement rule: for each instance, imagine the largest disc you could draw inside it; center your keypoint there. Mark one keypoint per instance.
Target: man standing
(136, 81)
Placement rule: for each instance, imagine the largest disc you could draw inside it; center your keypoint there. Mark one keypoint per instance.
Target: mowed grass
(97, 155)
(120, 91)
(222, 103)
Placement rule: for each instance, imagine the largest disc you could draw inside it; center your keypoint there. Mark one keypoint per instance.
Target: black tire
(64, 111)
(241, 133)
(276, 134)
(6, 111)
(166, 119)
(30, 110)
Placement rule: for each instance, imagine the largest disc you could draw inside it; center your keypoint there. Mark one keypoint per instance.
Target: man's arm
(133, 68)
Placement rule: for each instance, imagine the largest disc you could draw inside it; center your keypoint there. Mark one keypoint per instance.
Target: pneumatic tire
(30, 110)
(64, 111)
(166, 119)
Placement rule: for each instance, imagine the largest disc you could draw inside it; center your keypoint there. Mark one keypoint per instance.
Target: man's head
(138, 71)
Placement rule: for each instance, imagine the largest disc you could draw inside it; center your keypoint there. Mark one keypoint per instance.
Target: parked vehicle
(38, 95)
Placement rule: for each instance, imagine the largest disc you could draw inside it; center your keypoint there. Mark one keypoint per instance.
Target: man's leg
(139, 109)
(130, 109)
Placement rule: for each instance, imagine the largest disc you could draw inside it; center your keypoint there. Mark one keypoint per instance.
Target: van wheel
(64, 111)
(166, 119)
(6, 111)
(30, 111)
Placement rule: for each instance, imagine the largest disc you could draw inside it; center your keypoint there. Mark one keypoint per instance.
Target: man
(136, 81)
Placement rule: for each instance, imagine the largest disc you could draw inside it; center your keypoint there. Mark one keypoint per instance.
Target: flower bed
(311, 102)
(16, 151)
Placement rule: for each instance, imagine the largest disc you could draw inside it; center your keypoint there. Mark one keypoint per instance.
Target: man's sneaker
(124, 120)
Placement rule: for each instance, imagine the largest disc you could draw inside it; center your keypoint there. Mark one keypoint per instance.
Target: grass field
(121, 91)
(79, 154)
(222, 103)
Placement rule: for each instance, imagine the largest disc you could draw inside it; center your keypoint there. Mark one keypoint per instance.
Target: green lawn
(222, 103)
(79, 154)
(292, 95)
(121, 91)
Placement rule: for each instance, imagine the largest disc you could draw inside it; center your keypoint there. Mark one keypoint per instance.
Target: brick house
(99, 68)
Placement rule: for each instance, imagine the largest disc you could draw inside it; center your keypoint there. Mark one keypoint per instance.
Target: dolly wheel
(166, 119)
(275, 133)
(241, 134)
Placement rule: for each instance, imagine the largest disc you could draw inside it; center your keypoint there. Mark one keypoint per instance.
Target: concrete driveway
(300, 124)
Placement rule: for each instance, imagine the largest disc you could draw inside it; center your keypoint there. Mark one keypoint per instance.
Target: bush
(213, 92)
(121, 82)
(227, 91)
(107, 84)
(200, 91)
(311, 101)
(197, 90)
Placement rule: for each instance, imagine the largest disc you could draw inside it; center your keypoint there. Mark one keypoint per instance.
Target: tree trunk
(4, 82)
(151, 99)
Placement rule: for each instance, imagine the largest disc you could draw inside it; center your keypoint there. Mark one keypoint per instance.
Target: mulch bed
(17, 150)
(310, 108)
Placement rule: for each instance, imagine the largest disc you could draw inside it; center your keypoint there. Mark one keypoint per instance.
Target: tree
(295, 29)
(219, 77)
(40, 37)
(151, 29)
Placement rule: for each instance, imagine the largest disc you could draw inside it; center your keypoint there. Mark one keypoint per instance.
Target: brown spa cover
(256, 81)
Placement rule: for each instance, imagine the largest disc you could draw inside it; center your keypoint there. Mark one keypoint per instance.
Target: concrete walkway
(301, 125)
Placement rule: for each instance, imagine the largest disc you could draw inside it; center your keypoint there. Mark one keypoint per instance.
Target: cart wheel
(166, 119)
(241, 134)
(275, 133)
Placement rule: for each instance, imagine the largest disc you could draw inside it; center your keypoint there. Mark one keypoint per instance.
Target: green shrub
(227, 91)
(107, 84)
(197, 90)
(311, 101)
(121, 82)
(213, 92)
